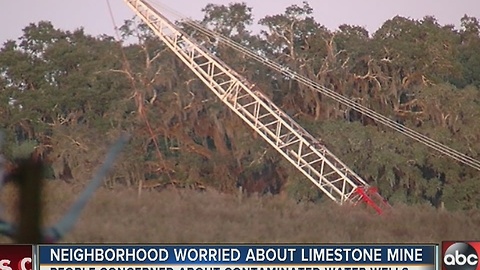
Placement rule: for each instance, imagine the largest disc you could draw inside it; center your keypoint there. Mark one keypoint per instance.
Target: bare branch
(158, 55)
(191, 101)
(77, 143)
(119, 71)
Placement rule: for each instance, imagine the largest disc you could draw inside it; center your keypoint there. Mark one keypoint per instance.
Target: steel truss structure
(293, 142)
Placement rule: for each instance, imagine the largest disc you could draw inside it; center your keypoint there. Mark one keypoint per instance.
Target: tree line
(66, 94)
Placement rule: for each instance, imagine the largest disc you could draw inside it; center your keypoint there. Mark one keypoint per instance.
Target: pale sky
(93, 15)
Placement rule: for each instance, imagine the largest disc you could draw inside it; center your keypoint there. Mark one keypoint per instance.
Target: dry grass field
(184, 216)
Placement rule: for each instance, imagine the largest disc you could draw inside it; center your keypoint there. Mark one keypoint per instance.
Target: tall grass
(185, 216)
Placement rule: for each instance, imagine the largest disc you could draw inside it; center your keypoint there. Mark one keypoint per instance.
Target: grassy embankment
(183, 216)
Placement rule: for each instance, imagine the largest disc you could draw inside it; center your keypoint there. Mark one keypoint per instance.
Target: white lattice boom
(301, 149)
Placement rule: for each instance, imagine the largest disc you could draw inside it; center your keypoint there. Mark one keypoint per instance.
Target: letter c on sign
(22, 265)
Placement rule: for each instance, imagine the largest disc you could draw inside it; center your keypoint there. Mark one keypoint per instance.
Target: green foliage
(24, 149)
(69, 92)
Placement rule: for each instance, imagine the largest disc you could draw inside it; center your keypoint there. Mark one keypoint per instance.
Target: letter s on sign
(22, 265)
(4, 265)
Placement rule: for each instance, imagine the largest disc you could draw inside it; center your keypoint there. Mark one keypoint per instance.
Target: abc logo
(460, 256)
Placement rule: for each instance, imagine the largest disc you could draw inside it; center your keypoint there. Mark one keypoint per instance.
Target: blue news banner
(237, 257)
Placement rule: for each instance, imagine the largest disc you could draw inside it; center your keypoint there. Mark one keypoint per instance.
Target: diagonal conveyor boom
(301, 149)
